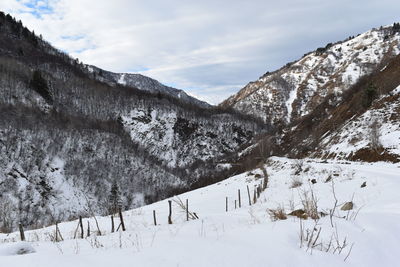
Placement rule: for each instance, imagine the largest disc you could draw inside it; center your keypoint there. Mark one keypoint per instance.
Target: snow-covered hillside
(143, 83)
(367, 235)
(377, 129)
(296, 89)
(179, 141)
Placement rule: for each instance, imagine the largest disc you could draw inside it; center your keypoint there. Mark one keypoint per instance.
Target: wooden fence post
(235, 203)
(170, 212)
(226, 204)
(88, 228)
(112, 224)
(154, 217)
(255, 196)
(121, 219)
(240, 202)
(56, 238)
(21, 232)
(81, 226)
(248, 193)
(187, 210)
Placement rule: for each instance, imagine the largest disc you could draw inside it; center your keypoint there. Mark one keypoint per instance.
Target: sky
(209, 48)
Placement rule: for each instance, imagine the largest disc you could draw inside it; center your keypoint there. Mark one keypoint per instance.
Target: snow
(17, 248)
(121, 79)
(244, 236)
(396, 91)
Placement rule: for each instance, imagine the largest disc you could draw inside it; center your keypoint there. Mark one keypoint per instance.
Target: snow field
(245, 236)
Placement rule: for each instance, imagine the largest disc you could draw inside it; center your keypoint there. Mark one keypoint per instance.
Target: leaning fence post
(58, 234)
(170, 212)
(81, 226)
(121, 219)
(21, 232)
(154, 217)
(240, 202)
(248, 193)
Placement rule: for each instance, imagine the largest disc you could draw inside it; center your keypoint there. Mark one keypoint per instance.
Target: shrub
(277, 214)
(370, 93)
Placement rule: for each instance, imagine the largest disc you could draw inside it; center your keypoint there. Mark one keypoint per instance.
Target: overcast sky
(209, 48)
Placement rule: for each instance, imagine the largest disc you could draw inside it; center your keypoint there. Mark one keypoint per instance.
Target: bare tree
(374, 134)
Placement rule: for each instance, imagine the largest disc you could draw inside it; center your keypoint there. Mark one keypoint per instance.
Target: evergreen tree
(370, 93)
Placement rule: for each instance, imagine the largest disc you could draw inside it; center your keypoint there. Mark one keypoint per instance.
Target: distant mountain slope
(143, 83)
(375, 135)
(296, 89)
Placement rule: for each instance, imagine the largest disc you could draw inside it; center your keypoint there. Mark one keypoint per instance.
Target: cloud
(209, 48)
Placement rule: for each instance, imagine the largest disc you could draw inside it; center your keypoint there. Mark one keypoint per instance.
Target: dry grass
(277, 214)
(296, 182)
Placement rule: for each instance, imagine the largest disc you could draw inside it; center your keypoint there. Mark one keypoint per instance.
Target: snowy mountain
(143, 83)
(293, 91)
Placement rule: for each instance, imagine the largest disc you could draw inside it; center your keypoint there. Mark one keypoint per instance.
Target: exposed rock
(347, 206)
(299, 214)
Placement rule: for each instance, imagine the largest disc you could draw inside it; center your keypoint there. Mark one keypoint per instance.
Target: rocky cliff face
(296, 89)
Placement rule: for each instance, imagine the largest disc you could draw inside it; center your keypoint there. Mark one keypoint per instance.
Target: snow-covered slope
(296, 89)
(143, 83)
(378, 129)
(245, 236)
(179, 141)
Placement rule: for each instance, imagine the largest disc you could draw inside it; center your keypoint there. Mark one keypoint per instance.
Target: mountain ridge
(295, 89)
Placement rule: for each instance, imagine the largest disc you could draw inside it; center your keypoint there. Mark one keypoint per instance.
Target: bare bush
(310, 204)
(277, 214)
(296, 182)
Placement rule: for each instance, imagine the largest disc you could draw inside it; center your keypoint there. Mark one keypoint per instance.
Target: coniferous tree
(39, 84)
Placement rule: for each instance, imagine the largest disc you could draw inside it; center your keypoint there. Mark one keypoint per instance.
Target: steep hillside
(67, 137)
(295, 90)
(375, 135)
(143, 83)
